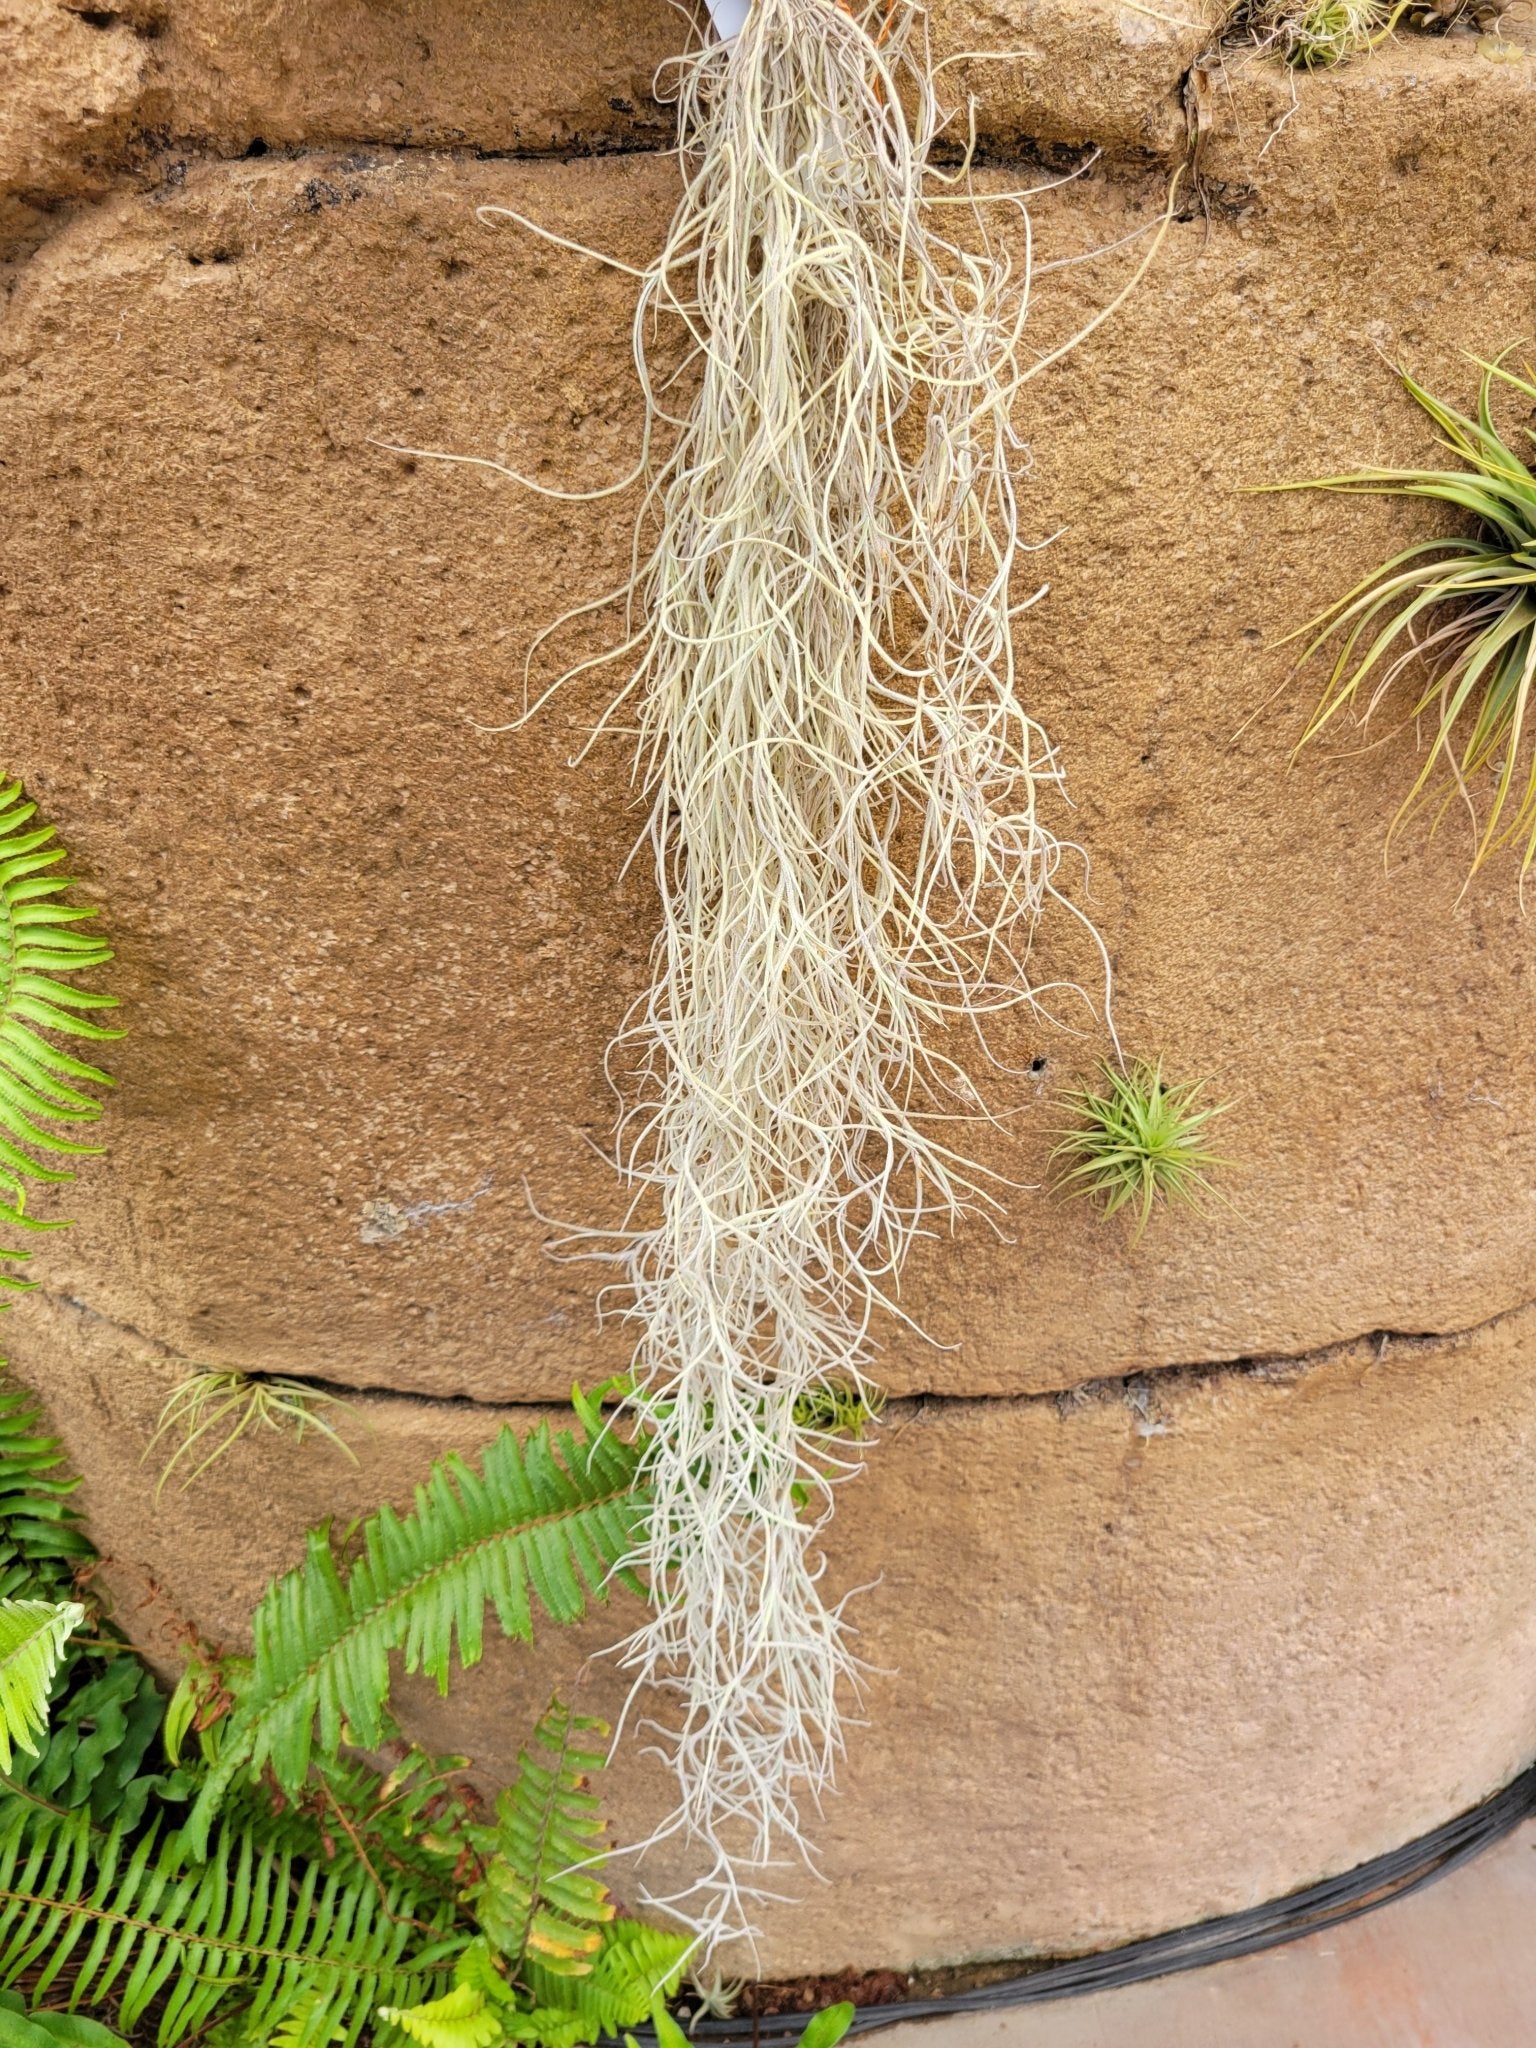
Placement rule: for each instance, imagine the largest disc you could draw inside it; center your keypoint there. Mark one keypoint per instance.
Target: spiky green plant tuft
(1137, 1140)
(223, 1405)
(1313, 34)
(1456, 617)
(839, 1408)
(40, 939)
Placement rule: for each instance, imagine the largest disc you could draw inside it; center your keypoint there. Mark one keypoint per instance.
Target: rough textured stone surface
(117, 90)
(1269, 139)
(553, 77)
(69, 94)
(538, 76)
(1160, 1650)
(1139, 1658)
(1108, 72)
(373, 954)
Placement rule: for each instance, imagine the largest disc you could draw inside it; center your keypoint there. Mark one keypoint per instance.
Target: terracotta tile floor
(1452, 1967)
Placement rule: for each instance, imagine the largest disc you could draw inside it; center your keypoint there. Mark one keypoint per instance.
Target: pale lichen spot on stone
(381, 1223)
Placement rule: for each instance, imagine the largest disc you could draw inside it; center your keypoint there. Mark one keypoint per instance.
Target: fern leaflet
(462, 2018)
(637, 1969)
(540, 1899)
(636, 1966)
(32, 1638)
(90, 1914)
(38, 942)
(550, 1519)
(41, 1542)
(106, 1714)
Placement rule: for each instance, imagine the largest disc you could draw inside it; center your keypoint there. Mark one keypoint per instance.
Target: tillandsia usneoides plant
(853, 836)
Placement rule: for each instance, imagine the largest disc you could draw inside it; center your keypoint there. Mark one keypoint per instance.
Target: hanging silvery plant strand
(848, 842)
(852, 843)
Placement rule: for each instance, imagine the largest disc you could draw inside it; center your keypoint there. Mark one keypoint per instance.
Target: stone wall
(1205, 1631)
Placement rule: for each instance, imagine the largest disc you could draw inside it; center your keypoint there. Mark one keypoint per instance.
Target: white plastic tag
(728, 15)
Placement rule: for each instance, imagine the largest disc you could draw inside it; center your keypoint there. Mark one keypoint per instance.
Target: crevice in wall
(157, 165)
(1139, 1388)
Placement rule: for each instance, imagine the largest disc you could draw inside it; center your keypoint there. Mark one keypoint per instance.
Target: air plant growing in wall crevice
(852, 825)
(1313, 35)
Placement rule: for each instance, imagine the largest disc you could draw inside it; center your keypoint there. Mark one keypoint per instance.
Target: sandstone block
(373, 952)
(555, 78)
(1135, 1658)
(71, 90)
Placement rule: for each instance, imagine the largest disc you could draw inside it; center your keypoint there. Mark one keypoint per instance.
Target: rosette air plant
(851, 823)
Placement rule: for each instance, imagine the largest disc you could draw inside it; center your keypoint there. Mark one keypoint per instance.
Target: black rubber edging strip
(1337, 1899)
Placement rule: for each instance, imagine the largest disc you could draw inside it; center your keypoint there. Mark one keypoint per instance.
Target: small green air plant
(40, 1084)
(223, 1405)
(1458, 613)
(1136, 1141)
(1318, 33)
(839, 1408)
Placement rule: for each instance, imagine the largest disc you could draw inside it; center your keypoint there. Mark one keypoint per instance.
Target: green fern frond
(548, 1520)
(41, 1542)
(409, 1825)
(293, 2030)
(39, 941)
(577, 1973)
(540, 1900)
(553, 2026)
(32, 1638)
(636, 1965)
(462, 2018)
(88, 1915)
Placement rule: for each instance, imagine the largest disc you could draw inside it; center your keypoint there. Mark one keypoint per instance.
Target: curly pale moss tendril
(1136, 1141)
(1455, 617)
(852, 829)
